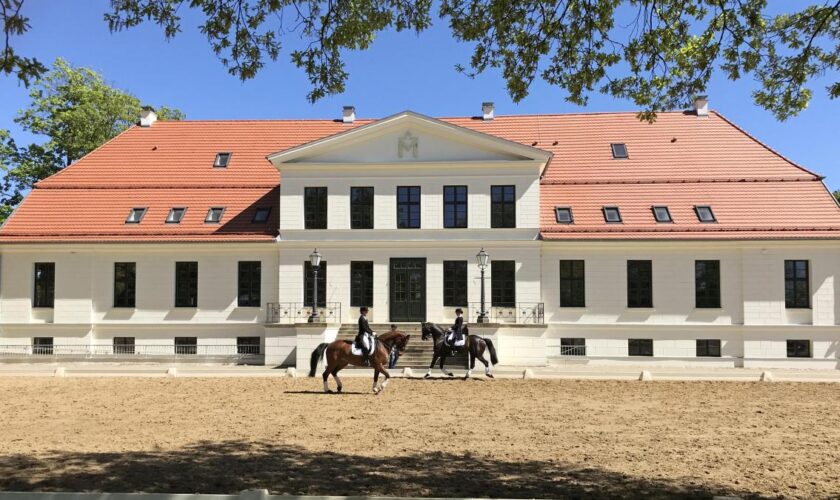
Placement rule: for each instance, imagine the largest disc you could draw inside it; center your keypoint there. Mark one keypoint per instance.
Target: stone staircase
(418, 354)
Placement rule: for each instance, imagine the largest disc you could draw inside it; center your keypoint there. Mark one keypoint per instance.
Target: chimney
(148, 116)
(488, 110)
(348, 114)
(701, 106)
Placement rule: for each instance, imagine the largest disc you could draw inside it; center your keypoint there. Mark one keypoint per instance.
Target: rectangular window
(42, 346)
(640, 347)
(124, 283)
(662, 214)
(247, 345)
(175, 215)
(123, 345)
(799, 348)
(454, 206)
(612, 215)
(308, 283)
(708, 348)
(619, 150)
(707, 284)
(361, 283)
(186, 284)
(797, 285)
(455, 283)
(639, 283)
(563, 215)
(502, 206)
(572, 284)
(214, 215)
(135, 215)
(261, 215)
(503, 283)
(361, 208)
(315, 207)
(250, 283)
(572, 347)
(186, 345)
(44, 287)
(222, 160)
(408, 207)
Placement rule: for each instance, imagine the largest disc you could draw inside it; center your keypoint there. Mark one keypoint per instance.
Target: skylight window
(662, 214)
(704, 213)
(261, 215)
(175, 215)
(612, 215)
(135, 215)
(619, 150)
(222, 160)
(214, 215)
(563, 215)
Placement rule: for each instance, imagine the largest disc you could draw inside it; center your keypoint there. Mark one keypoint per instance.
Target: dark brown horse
(474, 346)
(339, 355)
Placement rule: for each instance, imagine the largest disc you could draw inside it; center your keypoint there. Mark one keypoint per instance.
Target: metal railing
(573, 350)
(239, 351)
(298, 312)
(523, 313)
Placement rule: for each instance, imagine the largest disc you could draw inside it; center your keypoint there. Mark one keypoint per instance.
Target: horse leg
(470, 363)
(442, 369)
(384, 382)
(487, 365)
(375, 380)
(326, 376)
(335, 375)
(432, 365)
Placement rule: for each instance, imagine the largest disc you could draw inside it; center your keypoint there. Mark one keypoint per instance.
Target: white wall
(84, 293)
(431, 180)
(339, 256)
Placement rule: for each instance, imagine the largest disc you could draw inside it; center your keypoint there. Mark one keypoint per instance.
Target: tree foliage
(76, 111)
(657, 53)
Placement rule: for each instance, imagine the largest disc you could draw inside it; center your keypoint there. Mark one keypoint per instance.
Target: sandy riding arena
(500, 438)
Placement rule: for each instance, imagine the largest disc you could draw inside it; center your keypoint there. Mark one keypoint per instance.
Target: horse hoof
(328, 391)
(450, 374)
(427, 376)
(490, 375)
(339, 390)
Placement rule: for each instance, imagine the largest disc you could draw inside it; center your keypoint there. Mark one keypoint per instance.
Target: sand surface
(502, 438)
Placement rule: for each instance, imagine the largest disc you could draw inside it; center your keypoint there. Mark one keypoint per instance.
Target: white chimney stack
(348, 114)
(701, 106)
(148, 116)
(488, 110)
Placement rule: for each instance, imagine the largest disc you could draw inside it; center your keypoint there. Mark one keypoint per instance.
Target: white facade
(752, 324)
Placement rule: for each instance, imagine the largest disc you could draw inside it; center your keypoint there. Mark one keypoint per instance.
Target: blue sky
(400, 71)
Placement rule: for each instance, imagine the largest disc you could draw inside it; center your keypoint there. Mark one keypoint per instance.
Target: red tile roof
(679, 161)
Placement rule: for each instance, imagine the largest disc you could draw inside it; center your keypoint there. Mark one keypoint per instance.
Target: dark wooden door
(408, 290)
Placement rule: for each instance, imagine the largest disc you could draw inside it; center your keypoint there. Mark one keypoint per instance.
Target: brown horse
(474, 346)
(339, 355)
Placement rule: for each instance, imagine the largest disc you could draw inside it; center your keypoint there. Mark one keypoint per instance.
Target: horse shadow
(232, 466)
(322, 393)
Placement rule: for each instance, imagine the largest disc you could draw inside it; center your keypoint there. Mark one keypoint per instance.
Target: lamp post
(315, 260)
(483, 259)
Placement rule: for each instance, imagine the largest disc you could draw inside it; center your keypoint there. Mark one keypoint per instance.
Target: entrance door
(408, 290)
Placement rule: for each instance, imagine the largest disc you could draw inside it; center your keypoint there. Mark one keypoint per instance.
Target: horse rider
(364, 331)
(457, 329)
(394, 355)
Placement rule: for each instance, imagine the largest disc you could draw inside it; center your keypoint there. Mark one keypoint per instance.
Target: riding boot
(366, 359)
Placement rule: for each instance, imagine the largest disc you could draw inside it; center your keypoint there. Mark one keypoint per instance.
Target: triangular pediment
(408, 137)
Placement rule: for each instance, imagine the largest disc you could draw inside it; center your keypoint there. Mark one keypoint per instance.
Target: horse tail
(490, 347)
(317, 354)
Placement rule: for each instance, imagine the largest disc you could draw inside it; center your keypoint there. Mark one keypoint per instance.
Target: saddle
(450, 339)
(357, 351)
